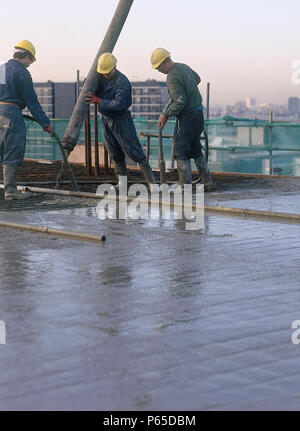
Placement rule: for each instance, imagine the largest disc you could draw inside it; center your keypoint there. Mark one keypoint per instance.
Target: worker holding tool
(113, 97)
(186, 106)
(17, 92)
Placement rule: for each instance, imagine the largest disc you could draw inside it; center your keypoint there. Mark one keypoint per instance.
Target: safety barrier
(235, 144)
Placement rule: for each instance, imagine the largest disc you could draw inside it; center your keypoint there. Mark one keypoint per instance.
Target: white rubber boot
(120, 171)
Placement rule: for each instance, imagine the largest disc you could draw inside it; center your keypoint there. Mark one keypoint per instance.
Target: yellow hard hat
(25, 44)
(106, 63)
(158, 56)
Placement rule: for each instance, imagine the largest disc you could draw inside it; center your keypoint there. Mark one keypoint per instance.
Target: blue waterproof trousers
(12, 135)
(120, 137)
(187, 135)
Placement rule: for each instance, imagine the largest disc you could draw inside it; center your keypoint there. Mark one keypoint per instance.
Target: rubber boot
(10, 184)
(148, 174)
(184, 172)
(120, 171)
(202, 167)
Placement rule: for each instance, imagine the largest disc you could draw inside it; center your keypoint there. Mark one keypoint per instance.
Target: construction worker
(186, 106)
(113, 97)
(17, 92)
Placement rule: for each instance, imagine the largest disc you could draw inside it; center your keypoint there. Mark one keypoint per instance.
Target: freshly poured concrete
(155, 318)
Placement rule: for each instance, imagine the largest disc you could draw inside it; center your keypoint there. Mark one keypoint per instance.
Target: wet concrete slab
(156, 318)
(274, 194)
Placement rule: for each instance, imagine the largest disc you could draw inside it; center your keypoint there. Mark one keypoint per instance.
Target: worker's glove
(49, 129)
(162, 121)
(92, 98)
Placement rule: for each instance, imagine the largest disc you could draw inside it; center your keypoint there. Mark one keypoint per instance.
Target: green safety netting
(249, 122)
(235, 144)
(259, 135)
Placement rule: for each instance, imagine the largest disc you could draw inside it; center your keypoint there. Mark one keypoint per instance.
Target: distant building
(149, 99)
(57, 98)
(294, 105)
(250, 102)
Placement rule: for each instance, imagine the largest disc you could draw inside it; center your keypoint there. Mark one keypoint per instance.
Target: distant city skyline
(243, 49)
(150, 97)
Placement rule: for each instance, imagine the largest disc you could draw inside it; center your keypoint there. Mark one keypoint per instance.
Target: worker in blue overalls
(113, 97)
(17, 92)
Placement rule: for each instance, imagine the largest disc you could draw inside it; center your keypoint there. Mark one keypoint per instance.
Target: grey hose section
(66, 163)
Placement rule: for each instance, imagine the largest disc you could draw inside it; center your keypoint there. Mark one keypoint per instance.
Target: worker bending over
(17, 92)
(113, 97)
(186, 106)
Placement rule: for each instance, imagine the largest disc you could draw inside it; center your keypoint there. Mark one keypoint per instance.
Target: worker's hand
(162, 121)
(92, 98)
(49, 129)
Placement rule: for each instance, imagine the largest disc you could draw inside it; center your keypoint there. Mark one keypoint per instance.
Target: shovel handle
(162, 166)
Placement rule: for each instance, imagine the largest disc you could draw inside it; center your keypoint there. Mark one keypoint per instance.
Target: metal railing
(148, 137)
(230, 140)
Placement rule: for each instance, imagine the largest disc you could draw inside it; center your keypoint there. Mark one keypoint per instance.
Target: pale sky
(245, 49)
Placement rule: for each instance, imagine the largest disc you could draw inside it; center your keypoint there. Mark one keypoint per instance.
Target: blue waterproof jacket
(16, 86)
(115, 95)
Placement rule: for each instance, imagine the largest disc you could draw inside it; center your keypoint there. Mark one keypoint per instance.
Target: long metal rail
(214, 208)
(54, 232)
